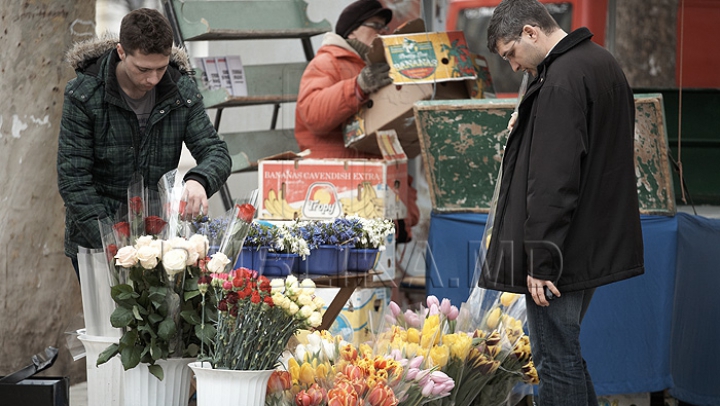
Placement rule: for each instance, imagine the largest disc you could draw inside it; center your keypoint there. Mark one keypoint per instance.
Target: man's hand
(196, 197)
(374, 77)
(537, 290)
(513, 119)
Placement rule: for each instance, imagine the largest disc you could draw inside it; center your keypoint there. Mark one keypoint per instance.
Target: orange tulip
(279, 381)
(382, 395)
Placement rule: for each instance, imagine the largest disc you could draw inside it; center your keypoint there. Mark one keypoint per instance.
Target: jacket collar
(570, 41)
(330, 38)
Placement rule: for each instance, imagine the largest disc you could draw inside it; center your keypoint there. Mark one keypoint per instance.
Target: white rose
(174, 261)
(218, 262)
(148, 256)
(126, 257)
(143, 241)
(314, 320)
(177, 242)
(200, 243)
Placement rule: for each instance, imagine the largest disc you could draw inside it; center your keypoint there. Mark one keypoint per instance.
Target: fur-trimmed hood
(84, 54)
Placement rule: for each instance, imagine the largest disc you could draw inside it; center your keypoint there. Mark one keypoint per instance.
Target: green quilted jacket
(99, 147)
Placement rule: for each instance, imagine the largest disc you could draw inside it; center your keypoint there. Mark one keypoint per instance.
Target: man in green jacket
(130, 109)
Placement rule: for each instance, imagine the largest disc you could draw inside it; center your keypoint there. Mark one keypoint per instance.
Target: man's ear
(121, 51)
(531, 31)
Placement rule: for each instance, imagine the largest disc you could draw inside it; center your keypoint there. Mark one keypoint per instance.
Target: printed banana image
(369, 205)
(278, 207)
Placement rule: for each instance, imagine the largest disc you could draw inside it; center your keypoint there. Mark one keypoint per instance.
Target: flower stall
(188, 302)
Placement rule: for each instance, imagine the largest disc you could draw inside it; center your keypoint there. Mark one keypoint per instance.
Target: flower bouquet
(485, 356)
(325, 370)
(256, 318)
(155, 288)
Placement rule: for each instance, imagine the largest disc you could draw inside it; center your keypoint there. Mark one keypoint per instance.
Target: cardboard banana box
(329, 188)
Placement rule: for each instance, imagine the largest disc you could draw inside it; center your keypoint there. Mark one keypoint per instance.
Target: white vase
(141, 388)
(229, 387)
(104, 382)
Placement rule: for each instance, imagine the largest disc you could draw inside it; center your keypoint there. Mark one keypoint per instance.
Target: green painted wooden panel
(246, 148)
(201, 20)
(266, 84)
(462, 143)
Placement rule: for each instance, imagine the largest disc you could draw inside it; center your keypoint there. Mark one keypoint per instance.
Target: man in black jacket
(566, 219)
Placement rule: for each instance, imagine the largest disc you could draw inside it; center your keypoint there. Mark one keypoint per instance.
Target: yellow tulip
(439, 355)
(413, 335)
(507, 298)
(494, 318)
(307, 374)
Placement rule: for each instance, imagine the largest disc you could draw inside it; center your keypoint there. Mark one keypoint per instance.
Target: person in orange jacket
(337, 82)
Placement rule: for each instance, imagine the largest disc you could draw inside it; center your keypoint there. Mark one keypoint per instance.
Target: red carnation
(255, 297)
(136, 205)
(122, 228)
(246, 212)
(269, 301)
(154, 225)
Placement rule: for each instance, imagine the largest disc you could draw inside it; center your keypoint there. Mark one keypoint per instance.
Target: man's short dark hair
(146, 30)
(510, 16)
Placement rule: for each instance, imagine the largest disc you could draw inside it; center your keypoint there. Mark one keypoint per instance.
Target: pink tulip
(445, 306)
(416, 362)
(427, 388)
(390, 320)
(433, 310)
(395, 309)
(432, 300)
(412, 319)
(453, 313)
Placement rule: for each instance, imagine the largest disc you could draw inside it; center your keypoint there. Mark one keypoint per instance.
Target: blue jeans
(555, 341)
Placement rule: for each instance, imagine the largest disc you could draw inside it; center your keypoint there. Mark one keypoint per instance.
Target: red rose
(112, 249)
(154, 225)
(136, 205)
(122, 228)
(246, 212)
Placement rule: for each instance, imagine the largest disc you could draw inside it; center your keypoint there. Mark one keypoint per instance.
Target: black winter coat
(567, 209)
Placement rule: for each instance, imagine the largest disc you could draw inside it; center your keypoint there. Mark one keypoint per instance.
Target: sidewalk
(78, 396)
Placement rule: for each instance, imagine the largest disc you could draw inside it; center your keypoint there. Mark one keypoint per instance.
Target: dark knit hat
(357, 13)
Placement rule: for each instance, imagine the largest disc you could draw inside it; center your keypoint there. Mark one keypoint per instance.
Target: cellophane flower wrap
(256, 317)
(158, 301)
(171, 189)
(481, 347)
(240, 218)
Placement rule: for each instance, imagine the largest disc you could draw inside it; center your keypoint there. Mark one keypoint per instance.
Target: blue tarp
(643, 334)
